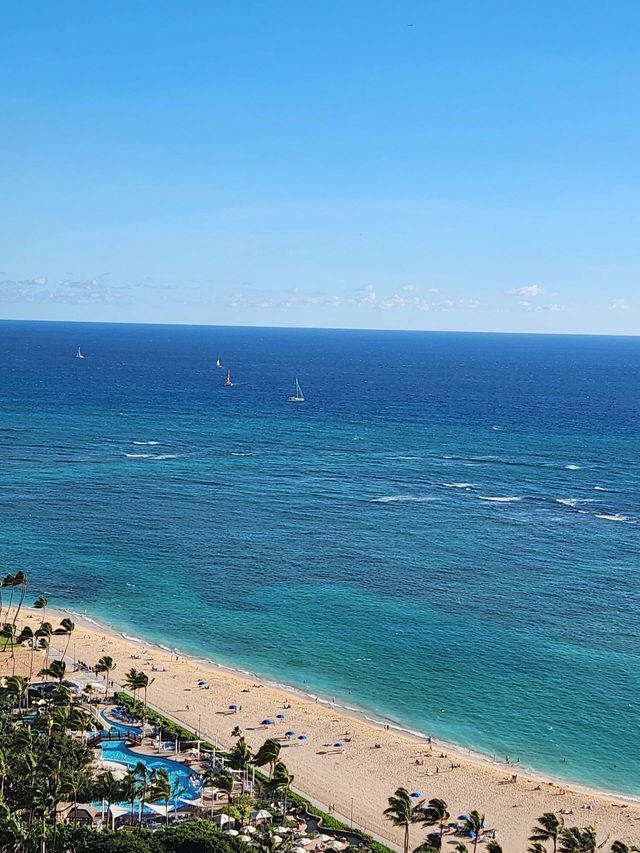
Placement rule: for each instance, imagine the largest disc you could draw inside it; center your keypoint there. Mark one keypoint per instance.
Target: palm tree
(130, 789)
(8, 583)
(41, 604)
(267, 754)
(461, 848)
(141, 772)
(8, 632)
(474, 824)
(27, 636)
(431, 844)
(402, 812)
(161, 789)
(106, 664)
(108, 788)
(75, 781)
(281, 781)
(144, 683)
(621, 847)
(493, 847)
(16, 686)
(130, 681)
(436, 813)
(265, 840)
(576, 840)
(548, 829)
(56, 669)
(236, 731)
(240, 755)
(43, 635)
(536, 847)
(21, 580)
(66, 629)
(224, 781)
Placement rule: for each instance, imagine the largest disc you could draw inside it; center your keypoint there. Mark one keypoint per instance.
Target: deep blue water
(348, 544)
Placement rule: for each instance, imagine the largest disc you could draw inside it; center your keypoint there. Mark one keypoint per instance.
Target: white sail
(79, 353)
(218, 363)
(298, 397)
(228, 383)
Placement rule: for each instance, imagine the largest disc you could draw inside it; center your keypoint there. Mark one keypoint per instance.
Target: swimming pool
(185, 783)
(116, 726)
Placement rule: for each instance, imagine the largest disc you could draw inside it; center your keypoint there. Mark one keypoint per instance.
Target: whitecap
(573, 467)
(573, 502)
(151, 455)
(132, 639)
(457, 485)
(601, 489)
(145, 442)
(388, 499)
(499, 500)
(497, 428)
(606, 517)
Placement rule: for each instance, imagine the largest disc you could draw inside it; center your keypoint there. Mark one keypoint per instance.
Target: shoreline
(358, 779)
(362, 714)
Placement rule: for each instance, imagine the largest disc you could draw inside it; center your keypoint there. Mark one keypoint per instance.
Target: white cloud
(552, 306)
(527, 290)
(619, 304)
(370, 297)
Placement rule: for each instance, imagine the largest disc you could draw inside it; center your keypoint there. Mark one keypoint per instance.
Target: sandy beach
(375, 760)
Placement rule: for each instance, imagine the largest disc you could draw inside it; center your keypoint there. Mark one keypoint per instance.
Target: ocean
(444, 534)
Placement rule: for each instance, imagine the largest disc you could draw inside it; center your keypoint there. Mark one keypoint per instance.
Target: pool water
(184, 782)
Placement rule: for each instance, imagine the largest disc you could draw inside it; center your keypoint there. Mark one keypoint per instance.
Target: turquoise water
(445, 533)
(184, 783)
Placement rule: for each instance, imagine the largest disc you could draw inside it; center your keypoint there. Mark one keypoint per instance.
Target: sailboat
(298, 397)
(218, 363)
(79, 353)
(228, 383)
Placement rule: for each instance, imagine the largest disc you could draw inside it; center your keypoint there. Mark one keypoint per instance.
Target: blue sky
(419, 165)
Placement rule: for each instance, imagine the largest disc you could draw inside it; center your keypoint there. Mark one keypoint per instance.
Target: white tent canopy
(157, 808)
(117, 811)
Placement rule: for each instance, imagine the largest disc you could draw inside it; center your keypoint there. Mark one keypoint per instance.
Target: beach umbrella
(324, 838)
(463, 817)
(340, 745)
(279, 716)
(231, 832)
(290, 734)
(250, 830)
(303, 737)
(245, 838)
(416, 794)
(233, 707)
(267, 722)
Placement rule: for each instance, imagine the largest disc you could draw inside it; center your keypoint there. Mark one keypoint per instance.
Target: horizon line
(323, 328)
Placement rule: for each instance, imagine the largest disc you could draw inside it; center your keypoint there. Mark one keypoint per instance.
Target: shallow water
(444, 533)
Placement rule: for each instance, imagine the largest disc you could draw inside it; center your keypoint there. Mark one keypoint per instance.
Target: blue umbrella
(303, 737)
(339, 745)
(233, 707)
(416, 794)
(279, 716)
(463, 817)
(267, 722)
(290, 734)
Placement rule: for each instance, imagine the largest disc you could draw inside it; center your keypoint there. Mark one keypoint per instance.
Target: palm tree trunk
(22, 594)
(406, 838)
(166, 803)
